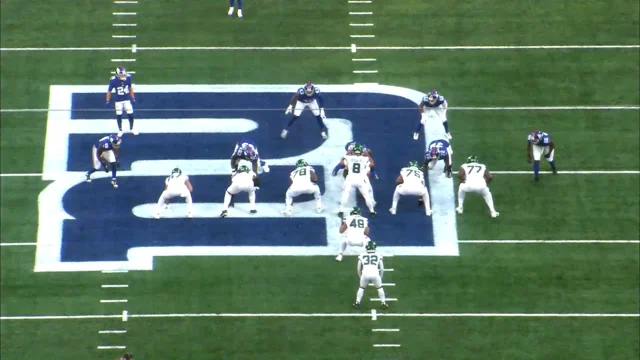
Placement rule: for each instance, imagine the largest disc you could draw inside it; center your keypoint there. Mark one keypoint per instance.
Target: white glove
(289, 109)
(423, 119)
(233, 172)
(322, 115)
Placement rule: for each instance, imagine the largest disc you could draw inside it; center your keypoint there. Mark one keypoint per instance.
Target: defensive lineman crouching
(474, 177)
(177, 184)
(411, 182)
(540, 144)
(243, 180)
(370, 271)
(303, 180)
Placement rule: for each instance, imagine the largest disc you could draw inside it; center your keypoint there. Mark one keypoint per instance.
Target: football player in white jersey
(358, 166)
(370, 271)
(303, 180)
(243, 180)
(354, 230)
(411, 182)
(177, 184)
(474, 177)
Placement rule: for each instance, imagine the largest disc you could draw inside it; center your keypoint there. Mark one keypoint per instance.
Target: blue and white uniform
(103, 153)
(433, 105)
(246, 153)
(121, 92)
(348, 147)
(307, 96)
(438, 150)
(541, 145)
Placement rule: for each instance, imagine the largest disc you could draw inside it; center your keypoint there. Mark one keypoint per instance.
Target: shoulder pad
(113, 77)
(317, 90)
(441, 98)
(301, 91)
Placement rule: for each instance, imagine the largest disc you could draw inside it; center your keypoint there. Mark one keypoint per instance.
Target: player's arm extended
(447, 165)
(421, 107)
(487, 177)
(462, 175)
(189, 186)
(293, 100)
(133, 94)
(256, 181)
(234, 161)
(314, 177)
(166, 183)
(254, 164)
(366, 230)
(359, 268)
(108, 98)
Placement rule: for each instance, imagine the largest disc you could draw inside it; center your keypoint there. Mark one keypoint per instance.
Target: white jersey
(475, 172)
(177, 183)
(356, 225)
(357, 165)
(412, 176)
(370, 264)
(243, 177)
(301, 175)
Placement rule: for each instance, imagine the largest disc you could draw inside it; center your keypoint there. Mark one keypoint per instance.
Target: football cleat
(416, 136)
(190, 215)
(319, 210)
(240, 13)
(459, 210)
(88, 177)
(356, 305)
(373, 214)
(339, 257)
(392, 211)
(324, 135)
(536, 179)
(449, 136)
(223, 214)
(495, 214)
(284, 133)
(428, 212)
(254, 211)
(156, 216)
(120, 133)
(555, 171)
(384, 306)
(114, 183)
(286, 212)
(135, 132)
(230, 12)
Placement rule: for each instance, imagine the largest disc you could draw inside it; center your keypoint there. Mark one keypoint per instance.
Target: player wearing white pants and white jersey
(370, 271)
(243, 180)
(474, 177)
(357, 167)
(411, 182)
(177, 184)
(303, 181)
(354, 230)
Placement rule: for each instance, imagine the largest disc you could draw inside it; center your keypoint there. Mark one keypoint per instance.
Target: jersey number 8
(355, 168)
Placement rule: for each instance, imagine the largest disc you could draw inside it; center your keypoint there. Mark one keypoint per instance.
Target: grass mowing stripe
(549, 241)
(329, 315)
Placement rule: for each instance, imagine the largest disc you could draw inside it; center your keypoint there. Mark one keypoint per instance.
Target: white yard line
(112, 332)
(306, 48)
(114, 301)
(111, 347)
(115, 286)
(386, 345)
(328, 315)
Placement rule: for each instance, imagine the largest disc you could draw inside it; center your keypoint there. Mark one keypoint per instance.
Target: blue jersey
(539, 138)
(247, 150)
(439, 101)
(105, 144)
(120, 88)
(437, 150)
(303, 97)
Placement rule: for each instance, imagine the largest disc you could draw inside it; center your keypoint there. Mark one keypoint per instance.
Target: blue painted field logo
(92, 227)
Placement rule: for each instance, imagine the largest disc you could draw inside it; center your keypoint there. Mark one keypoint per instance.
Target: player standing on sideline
(243, 180)
(433, 103)
(303, 180)
(474, 177)
(177, 184)
(231, 4)
(104, 153)
(436, 151)
(411, 182)
(539, 143)
(356, 227)
(122, 88)
(307, 96)
(370, 271)
(357, 178)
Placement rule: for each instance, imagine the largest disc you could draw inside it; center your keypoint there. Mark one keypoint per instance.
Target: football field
(86, 272)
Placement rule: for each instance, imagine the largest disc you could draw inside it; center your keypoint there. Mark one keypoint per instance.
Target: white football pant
(479, 188)
(313, 106)
(172, 192)
(237, 187)
(363, 185)
(128, 108)
(413, 190)
(539, 151)
(109, 156)
(297, 189)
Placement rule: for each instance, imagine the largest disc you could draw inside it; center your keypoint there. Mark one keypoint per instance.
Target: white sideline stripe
(385, 330)
(123, 60)
(124, 13)
(362, 36)
(355, 24)
(325, 315)
(576, 172)
(114, 301)
(517, 108)
(288, 48)
(368, 59)
(18, 244)
(386, 345)
(112, 332)
(111, 347)
(123, 36)
(387, 299)
(114, 271)
(125, 25)
(360, 13)
(549, 241)
(115, 286)
(365, 71)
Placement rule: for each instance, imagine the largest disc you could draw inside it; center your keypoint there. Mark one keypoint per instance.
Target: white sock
(318, 198)
(252, 200)
(189, 202)
(381, 295)
(396, 198)
(343, 247)
(288, 200)
(344, 199)
(359, 295)
(460, 197)
(488, 198)
(427, 201)
(227, 200)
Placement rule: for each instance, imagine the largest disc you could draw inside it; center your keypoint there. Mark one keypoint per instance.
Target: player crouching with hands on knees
(242, 180)
(411, 182)
(474, 177)
(177, 184)
(370, 271)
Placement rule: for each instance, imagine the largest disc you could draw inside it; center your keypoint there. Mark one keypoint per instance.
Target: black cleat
(253, 211)
(334, 173)
(536, 179)
(555, 171)
(223, 214)
(356, 305)
(420, 202)
(88, 177)
(373, 214)
(384, 306)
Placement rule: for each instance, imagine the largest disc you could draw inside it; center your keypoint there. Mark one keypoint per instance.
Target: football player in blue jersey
(433, 103)
(105, 153)
(231, 8)
(246, 150)
(121, 87)
(307, 96)
(348, 150)
(540, 144)
(436, 151)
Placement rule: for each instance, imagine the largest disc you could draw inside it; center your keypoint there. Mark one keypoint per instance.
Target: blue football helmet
(115, 140)
(433, 96)
(309, 89)
(121, 73)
